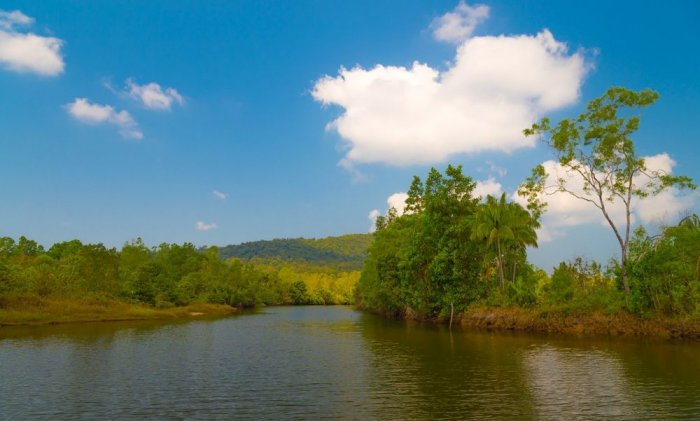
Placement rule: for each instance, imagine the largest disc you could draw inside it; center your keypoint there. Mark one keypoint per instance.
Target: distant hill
(347, 251)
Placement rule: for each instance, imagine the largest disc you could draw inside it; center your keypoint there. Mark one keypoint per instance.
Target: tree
(596, 148)
(504, 227)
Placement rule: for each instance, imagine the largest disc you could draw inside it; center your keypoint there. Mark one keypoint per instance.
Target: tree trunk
(625, 275)
(452, 312)
(499, 261)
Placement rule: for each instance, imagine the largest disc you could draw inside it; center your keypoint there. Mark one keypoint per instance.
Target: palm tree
(502, 227)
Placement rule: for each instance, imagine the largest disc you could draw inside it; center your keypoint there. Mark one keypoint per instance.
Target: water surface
(335, 362)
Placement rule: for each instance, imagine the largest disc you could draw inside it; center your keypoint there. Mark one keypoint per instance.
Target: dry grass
(32, 309)
(596, 323)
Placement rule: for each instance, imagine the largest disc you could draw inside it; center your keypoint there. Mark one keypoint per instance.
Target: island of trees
(452, 253)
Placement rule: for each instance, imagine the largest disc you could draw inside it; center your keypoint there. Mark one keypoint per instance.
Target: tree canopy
(597, 149)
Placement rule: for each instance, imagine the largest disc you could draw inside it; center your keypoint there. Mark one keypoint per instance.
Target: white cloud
(564, 210)
(9, 20)
(373, 215)
(496, 86)
(203, 226)
(153, 97)
(459, 24)
(497, 169)
(398, 202)
(27, 52)
(82, 110)
(219, 195)
(488, 187)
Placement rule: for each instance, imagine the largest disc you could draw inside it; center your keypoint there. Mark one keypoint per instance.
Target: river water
(335, 362)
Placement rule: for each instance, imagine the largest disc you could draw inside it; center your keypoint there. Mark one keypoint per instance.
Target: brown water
(334, 362)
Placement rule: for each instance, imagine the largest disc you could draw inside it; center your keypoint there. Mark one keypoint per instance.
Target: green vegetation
(90, 281)
(346, 252)
(451, 252)
(597, 150)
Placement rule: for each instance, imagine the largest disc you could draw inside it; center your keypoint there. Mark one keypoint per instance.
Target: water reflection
(433, 373)
(334, 362)
(590, 383)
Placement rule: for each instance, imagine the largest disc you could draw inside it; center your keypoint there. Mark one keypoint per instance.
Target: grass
(619, 323)
(35, 310)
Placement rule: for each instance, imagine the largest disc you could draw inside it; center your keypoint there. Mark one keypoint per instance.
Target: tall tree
(504, 227)
(597, 149)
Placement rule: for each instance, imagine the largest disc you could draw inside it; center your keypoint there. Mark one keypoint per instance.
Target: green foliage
(505, 229)
(665, 269)
(345, 252)
(597, 150)
(439, 254)
(170, 274)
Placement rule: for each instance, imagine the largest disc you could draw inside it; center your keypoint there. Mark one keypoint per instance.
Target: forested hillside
(342, 252)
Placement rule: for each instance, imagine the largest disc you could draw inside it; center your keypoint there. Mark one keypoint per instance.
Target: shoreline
(43, 312)
(593, 324)
(620, 324)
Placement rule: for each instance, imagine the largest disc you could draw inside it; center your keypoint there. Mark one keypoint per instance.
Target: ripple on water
(333, 362)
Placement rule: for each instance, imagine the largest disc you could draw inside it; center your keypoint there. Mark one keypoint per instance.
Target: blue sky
(94, 146)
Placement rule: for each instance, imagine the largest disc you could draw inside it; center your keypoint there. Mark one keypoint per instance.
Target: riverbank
(34, 310)
(596, 323)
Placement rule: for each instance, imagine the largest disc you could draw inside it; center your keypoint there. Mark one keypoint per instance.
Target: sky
(220, 122)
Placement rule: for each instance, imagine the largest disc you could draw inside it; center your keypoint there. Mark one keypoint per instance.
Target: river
(335, 362)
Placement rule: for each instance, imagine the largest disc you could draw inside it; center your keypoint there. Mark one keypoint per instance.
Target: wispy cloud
(89, 113)
(203, 226)
(493, 168)
(152, 96)
(219, 195)
(459, 24)
(26, 52)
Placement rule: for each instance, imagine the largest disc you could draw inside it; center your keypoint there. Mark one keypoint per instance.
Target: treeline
(346, 252)
(163, 276)
(449, 251)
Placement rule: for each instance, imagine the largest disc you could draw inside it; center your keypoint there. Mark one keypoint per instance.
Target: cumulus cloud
(373, 215)
(488, 187)
(564, 210)
(153, 97)
(495, 87)
(26, 52)
(219, 195)
(89, 113)
(459, 24)
(398, 202)
(203, 226)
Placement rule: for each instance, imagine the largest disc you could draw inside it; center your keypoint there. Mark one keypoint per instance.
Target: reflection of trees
(627, 379)
(90, 368)
(429, 373)
(586, 383)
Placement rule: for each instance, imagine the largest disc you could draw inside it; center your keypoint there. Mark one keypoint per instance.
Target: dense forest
(342, 252)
